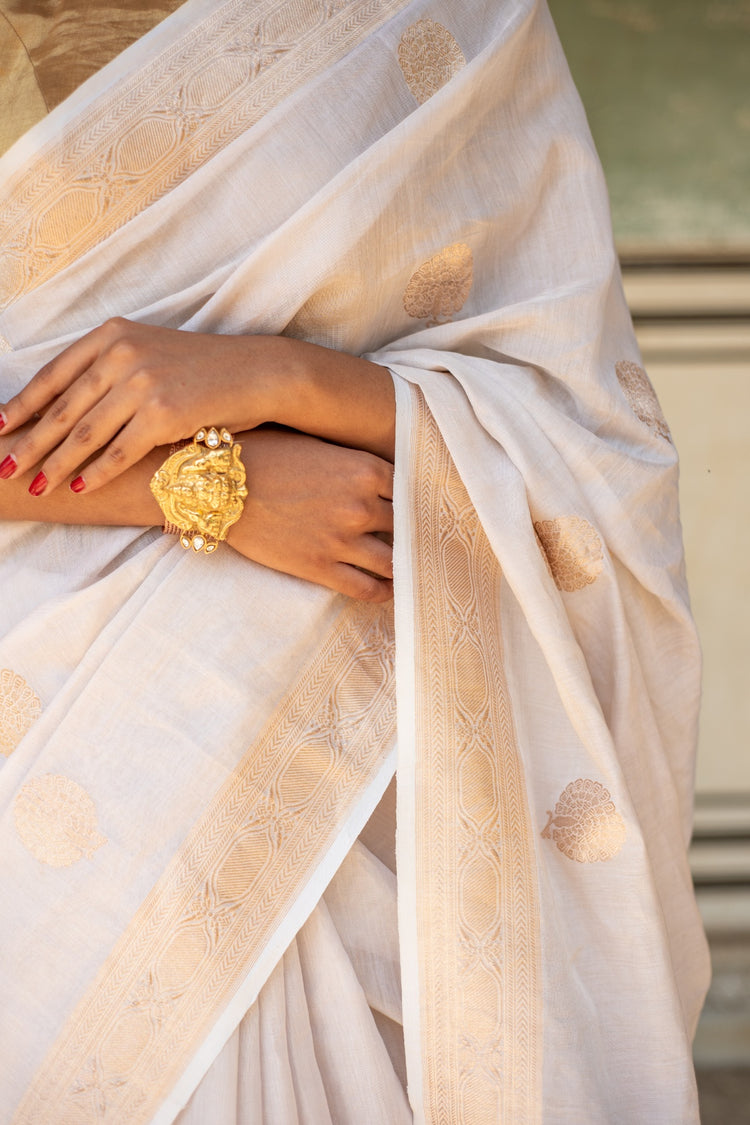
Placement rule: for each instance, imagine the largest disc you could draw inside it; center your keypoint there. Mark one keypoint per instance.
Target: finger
(383, 520)
(362, 515)
(386, 485)
(52, 380)
(119, 452)
(373, 555)
(66, 415)
(374, 475)
(356, 584)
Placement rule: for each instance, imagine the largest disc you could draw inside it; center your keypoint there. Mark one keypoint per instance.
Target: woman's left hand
(124, 389)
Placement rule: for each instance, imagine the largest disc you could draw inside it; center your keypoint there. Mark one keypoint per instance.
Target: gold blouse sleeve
(20, 95)
(49, 47)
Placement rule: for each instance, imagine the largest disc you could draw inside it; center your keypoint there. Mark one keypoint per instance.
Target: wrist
(279, 377)
(328, 394)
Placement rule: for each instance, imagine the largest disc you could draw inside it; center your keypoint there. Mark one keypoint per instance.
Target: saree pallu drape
(191, 750)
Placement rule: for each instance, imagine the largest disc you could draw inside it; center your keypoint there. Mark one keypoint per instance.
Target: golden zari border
(478, 910)
(242, 867)
(151, 132)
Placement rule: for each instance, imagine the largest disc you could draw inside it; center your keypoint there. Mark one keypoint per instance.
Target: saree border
(228, 889)
(148, 133)
(477, 912)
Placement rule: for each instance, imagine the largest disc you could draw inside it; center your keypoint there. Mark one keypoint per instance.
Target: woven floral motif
(429, 56)
(327, 313)
(642, 397)
(56, 820)
(440, 286)
(20, 707)
(573, 551)
(585, 824)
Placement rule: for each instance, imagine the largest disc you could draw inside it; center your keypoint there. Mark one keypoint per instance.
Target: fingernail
(8, 467)
(38, 485)
(77, 485)
(3, 420)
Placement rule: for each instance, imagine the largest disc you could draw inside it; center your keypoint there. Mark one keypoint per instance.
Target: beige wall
(700, 368)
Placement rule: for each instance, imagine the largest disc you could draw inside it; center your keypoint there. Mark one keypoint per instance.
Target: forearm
(329, 394)
(126, 501)
(126, 388)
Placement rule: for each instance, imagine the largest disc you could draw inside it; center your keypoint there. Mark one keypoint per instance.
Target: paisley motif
(585, 824)
(440, 286)
(642, 398)
(573, 551)
(429, 56)
(20, 707)
(56, 820)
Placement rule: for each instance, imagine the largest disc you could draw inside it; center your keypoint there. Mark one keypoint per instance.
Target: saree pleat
(192, 754)
(310, 1051)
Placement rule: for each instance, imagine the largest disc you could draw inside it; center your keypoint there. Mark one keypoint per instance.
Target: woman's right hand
(314, 510)
(318, 511)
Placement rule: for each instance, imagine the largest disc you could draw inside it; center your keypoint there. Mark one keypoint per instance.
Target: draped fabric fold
(192, 750)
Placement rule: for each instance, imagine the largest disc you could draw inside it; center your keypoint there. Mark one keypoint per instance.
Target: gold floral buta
(201, 489)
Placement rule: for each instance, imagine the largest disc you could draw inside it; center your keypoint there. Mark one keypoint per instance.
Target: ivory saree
(192, 750)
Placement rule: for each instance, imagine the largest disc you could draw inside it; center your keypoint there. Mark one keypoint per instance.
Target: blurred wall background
(666, 86)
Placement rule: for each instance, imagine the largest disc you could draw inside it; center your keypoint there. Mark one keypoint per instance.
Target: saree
(192, 751)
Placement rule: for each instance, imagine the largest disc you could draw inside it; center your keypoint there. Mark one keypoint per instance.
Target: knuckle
(93, 379)
(142, 380)
(115, 325)
(122, 352)
(318, 561)
(45, 375)
(57, 411)
(159, 408)
(357, 515)
(368, 478)
(82, 434)
(115, 454)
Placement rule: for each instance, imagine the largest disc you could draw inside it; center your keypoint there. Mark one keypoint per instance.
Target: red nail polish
(3, 420)
(38, 485)
(8, 467)
(77, 485)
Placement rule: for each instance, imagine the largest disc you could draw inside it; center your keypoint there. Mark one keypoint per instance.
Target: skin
(320, 497)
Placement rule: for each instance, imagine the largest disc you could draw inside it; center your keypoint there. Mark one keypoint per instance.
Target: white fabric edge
(406, 741)
(300, 911)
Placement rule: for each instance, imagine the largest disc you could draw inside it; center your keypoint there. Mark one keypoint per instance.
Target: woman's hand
(314, 510)
(318, 511)
(127, 388)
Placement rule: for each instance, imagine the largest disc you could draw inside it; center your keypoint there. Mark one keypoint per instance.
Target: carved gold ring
(201, 489)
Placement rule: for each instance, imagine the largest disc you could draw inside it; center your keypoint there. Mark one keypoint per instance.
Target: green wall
(666, 85)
